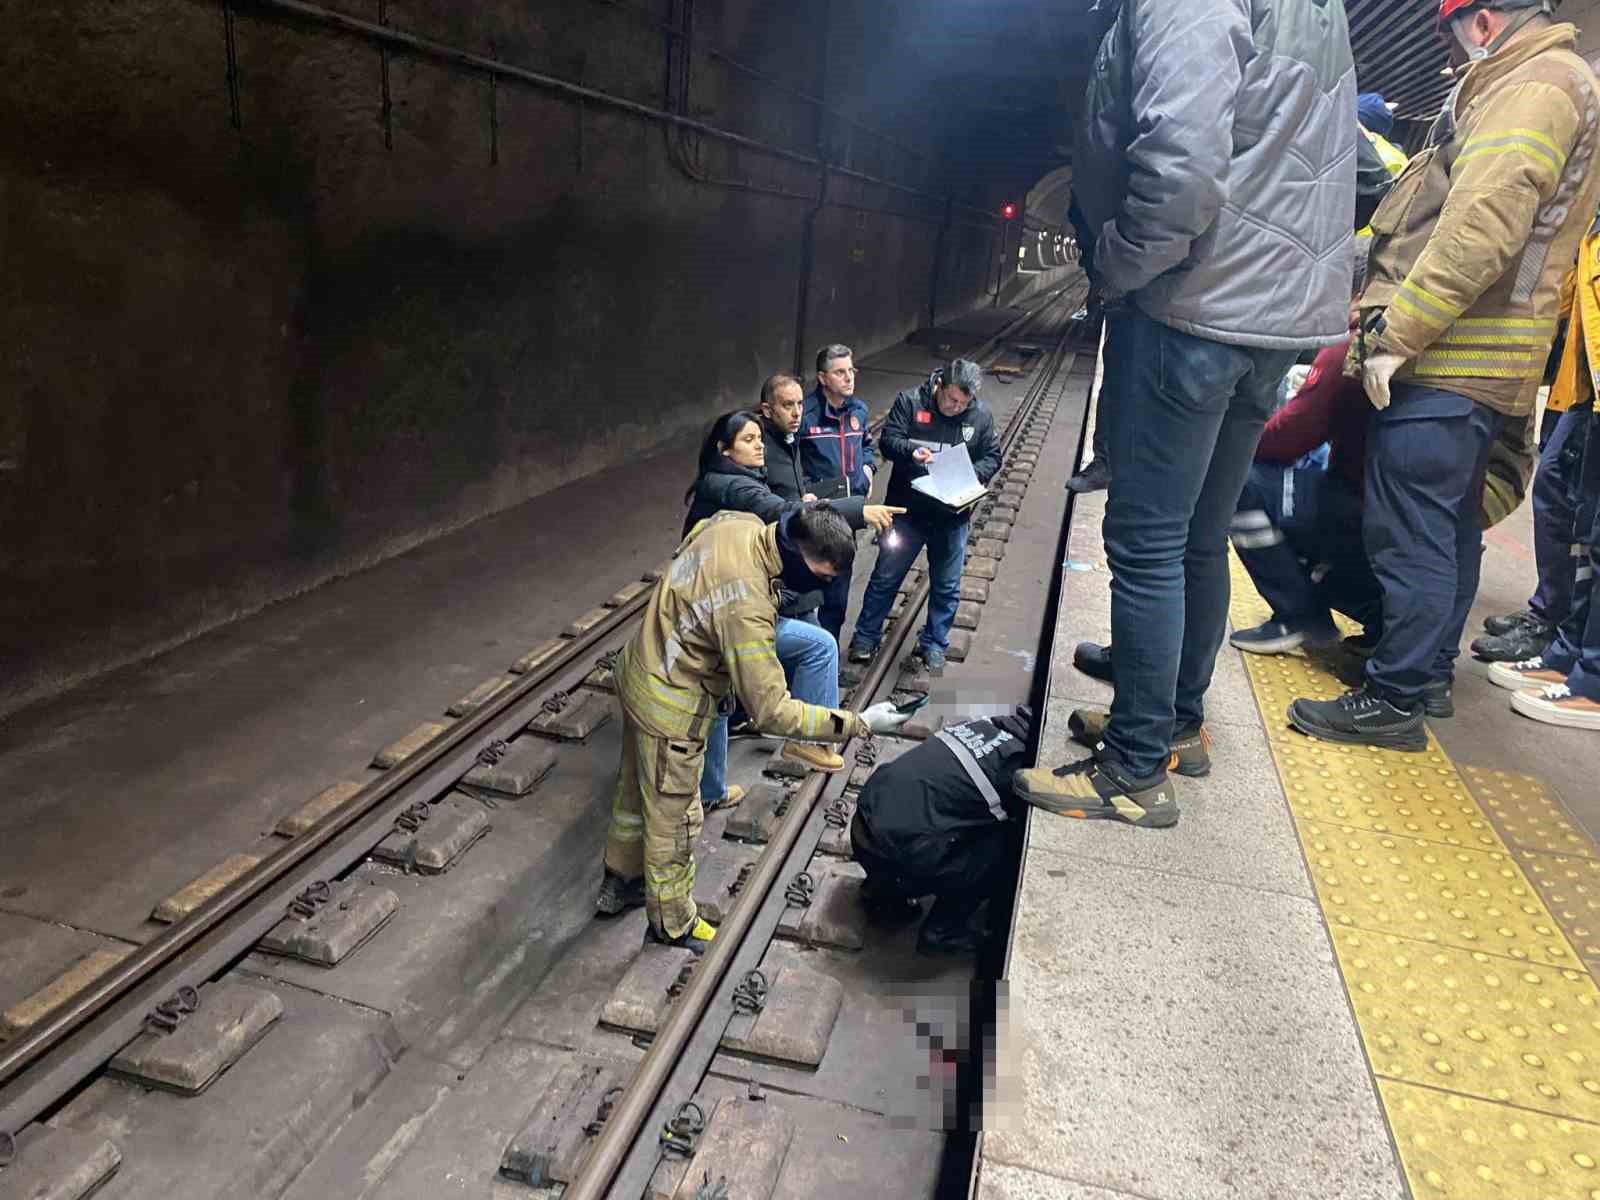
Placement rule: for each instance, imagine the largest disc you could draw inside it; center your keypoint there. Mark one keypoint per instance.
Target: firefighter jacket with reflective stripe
(1471, 244)
(710, 629)
(1575, 376)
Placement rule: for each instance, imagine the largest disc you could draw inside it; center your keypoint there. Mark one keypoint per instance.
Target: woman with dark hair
(732, 476)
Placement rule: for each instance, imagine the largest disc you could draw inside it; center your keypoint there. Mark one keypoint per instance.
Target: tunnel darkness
(292, 287)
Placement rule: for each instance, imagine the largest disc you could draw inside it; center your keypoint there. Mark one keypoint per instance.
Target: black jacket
(744, 489)
(916, 418)
(922, 811)
(785, 476)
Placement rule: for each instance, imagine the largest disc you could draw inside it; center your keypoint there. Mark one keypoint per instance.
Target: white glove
(1376, 372)
(884, 717)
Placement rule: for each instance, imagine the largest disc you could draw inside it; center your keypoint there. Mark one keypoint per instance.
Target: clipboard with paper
(950, 479)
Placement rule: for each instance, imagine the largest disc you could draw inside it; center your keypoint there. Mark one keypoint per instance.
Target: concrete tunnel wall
(241, 361)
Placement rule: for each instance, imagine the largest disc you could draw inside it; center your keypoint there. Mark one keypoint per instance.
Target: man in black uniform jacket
(937, 821)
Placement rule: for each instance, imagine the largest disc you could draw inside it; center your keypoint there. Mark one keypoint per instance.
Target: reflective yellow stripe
(1515, 145)
(1498, 339)
(1406, 305)
(1425, 299)
(1543, 323)
(1537, 136)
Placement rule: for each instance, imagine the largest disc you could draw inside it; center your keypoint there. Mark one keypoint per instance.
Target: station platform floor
(1346, 973)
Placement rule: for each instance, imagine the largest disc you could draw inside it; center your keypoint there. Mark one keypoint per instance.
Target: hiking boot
(1191, 745)
(697, 938)
(1096, 477)
(1523, 642)
(731, 797)
(1439, 700)
(1529, 672)
(929, 659)
(817, 758)
(1096, 790)
(618, 895)
(1556, 705)
(1361, 716)
(1510, 622)
(1280, 637)
(1094, 660)
(861, 652)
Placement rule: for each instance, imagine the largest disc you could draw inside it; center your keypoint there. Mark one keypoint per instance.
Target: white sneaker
(1517, 676)
(1556, 705)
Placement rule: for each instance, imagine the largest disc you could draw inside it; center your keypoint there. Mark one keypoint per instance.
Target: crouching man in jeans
(942, 412)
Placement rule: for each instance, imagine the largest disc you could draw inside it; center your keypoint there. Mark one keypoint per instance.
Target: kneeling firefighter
(708, 636)
(936, 821)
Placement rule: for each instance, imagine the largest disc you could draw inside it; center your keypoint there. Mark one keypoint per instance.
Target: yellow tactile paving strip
(1464, 907)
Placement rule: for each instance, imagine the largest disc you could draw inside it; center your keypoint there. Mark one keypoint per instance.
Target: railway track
(627, 1150)
(74, 1040)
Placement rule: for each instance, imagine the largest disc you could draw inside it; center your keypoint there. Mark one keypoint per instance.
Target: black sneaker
(862, 652)
(1523, 642)
(1510, 622)
(1094, 660)
(1280, 637)
(696, 939)
(1363, 717)
(1096, 477)
(618, 895)
(1439, 699)
(1096, 790)
(1191, 745)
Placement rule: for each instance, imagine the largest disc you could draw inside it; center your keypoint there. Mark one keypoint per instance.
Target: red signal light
(1009, 212)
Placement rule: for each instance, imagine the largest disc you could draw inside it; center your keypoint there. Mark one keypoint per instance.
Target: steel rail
(622, 1158)
(43, 1065)
(228, 923)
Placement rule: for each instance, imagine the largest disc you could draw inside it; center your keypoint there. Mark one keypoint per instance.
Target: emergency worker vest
(1575, 381)
(1470, 290)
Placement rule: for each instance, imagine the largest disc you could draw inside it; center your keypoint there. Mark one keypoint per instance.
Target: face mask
(797, 576)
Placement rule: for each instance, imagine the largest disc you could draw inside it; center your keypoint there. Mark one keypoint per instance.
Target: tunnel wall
(241, 360)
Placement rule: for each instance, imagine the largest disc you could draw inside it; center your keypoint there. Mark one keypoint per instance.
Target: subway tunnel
(293, 287)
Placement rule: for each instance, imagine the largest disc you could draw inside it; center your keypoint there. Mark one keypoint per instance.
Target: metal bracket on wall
(233, 64)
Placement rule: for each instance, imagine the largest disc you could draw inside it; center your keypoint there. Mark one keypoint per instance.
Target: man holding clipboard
(941, 439)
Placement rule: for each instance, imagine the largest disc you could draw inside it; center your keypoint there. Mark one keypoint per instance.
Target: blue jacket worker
(836, 454)
(944, 411)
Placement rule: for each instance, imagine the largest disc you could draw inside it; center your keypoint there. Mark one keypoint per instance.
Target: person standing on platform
(1561, 684)
(944, 411)
(836, 453)
(708, 633)
(1457, 319)
(1220, 148)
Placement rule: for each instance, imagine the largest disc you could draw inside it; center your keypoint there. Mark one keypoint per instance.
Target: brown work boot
(818, 758)
(1191, 746)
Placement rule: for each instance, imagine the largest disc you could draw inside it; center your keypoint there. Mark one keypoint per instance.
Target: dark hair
(821, 531)
(769, 389)
(830, 352)
(722, 432)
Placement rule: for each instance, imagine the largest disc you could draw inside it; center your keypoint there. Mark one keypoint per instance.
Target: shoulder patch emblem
(967, 432)
(855, 421)
(924, 417)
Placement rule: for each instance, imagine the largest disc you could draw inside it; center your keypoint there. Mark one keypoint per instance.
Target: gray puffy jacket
(1217, 160)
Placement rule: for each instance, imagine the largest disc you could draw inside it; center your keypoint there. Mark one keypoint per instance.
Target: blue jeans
(1576, 648)
(1426, 457)
(810, 659)
(1556, 492)
(1292, 520)
(946, 542)
(1183, 429)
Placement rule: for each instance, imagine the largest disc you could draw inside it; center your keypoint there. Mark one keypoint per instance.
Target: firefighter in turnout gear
(1463, 291)
(708, 635)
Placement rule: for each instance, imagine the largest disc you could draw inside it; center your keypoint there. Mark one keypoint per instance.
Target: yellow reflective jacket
(1472, 242)
(1575, 376)
(1393, 158)
(709, 628)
